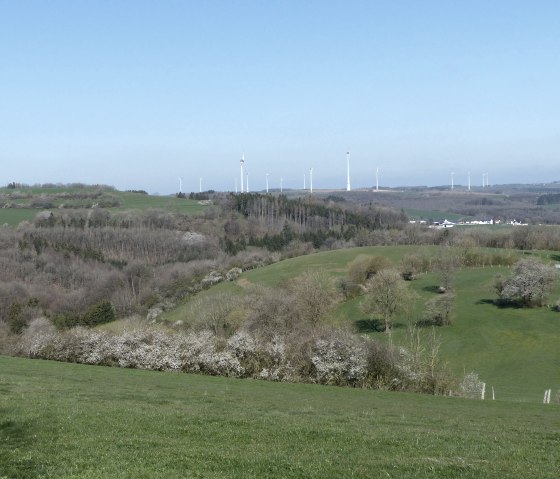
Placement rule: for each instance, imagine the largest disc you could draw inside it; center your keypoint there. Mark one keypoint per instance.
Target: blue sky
(136, 93)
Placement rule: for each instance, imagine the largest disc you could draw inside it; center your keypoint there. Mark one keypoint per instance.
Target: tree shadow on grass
(369, 326)
(374, 325)
(502, 304)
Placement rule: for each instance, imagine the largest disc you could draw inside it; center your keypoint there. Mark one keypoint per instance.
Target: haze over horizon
(137, 93)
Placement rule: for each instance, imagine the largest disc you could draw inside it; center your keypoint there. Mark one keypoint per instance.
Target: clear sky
(136, 93)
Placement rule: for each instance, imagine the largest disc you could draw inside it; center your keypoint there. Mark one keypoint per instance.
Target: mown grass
(75, 421)
(514, 350)
(14, 216)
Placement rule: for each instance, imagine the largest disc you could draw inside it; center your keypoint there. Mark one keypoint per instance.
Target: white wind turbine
(242, 163)
(347, 171)
(267, 182)
(310, 180)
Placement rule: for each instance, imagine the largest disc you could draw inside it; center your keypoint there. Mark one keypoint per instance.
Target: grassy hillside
(73, 421)
(25, 203)
(513, 350)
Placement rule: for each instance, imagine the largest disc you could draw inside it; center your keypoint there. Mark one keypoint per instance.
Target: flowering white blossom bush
(471, 386)
(339, 360)
(334, 357)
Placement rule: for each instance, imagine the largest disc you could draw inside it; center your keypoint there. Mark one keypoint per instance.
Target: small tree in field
(438, 310)
(364, 267)
(387, 295)
(446, 265)
(529, 284)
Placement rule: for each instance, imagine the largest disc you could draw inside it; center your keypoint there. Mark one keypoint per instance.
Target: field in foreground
(74, 421)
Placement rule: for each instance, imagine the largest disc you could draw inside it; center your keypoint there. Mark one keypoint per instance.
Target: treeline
(549, 199)
(274, 222)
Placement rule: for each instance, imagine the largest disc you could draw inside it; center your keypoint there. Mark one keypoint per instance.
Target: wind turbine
(180, 184)
(452, 175)
(281, 184)
(267, 182)
(304, 182)
(310, 180)
(242, 163)
(246, 181)
(236, 185)
(377, 179)
(200, 185)
(469, 181)
(347, 171)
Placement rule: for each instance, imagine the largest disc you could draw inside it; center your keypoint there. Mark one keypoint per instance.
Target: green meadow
(128, 201)
(14, 216)
(172, 204)
(74, 421)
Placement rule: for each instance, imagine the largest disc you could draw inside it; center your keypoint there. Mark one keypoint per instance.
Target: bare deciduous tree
(387, 295)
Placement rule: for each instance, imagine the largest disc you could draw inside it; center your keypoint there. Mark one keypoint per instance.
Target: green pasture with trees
(513, 349)
(74, 421)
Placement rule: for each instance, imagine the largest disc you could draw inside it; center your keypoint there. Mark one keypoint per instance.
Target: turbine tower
(304, 182)
(267, 182)
(236, 185)
(246, 181)
(180, 184)
(242, 163)
(347, 171)
(281, 184)
(452, 175)
(310, 180)
(377, 179)
(200, 185)
(469, 181)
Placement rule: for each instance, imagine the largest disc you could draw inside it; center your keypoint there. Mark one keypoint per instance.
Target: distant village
(441, 224)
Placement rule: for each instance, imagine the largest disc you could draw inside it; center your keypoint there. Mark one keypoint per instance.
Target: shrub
(100, 313)
(438, 310)
(529, 283)
(364, 267)
(471, 386)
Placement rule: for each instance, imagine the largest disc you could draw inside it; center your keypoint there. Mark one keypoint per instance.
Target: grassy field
(128, 201)
(73, 421)
(169, 203)
(513, 350)
(14, 216)
(433, 215)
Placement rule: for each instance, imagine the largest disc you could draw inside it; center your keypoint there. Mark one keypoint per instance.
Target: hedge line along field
(75, 421)
(514, 350)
